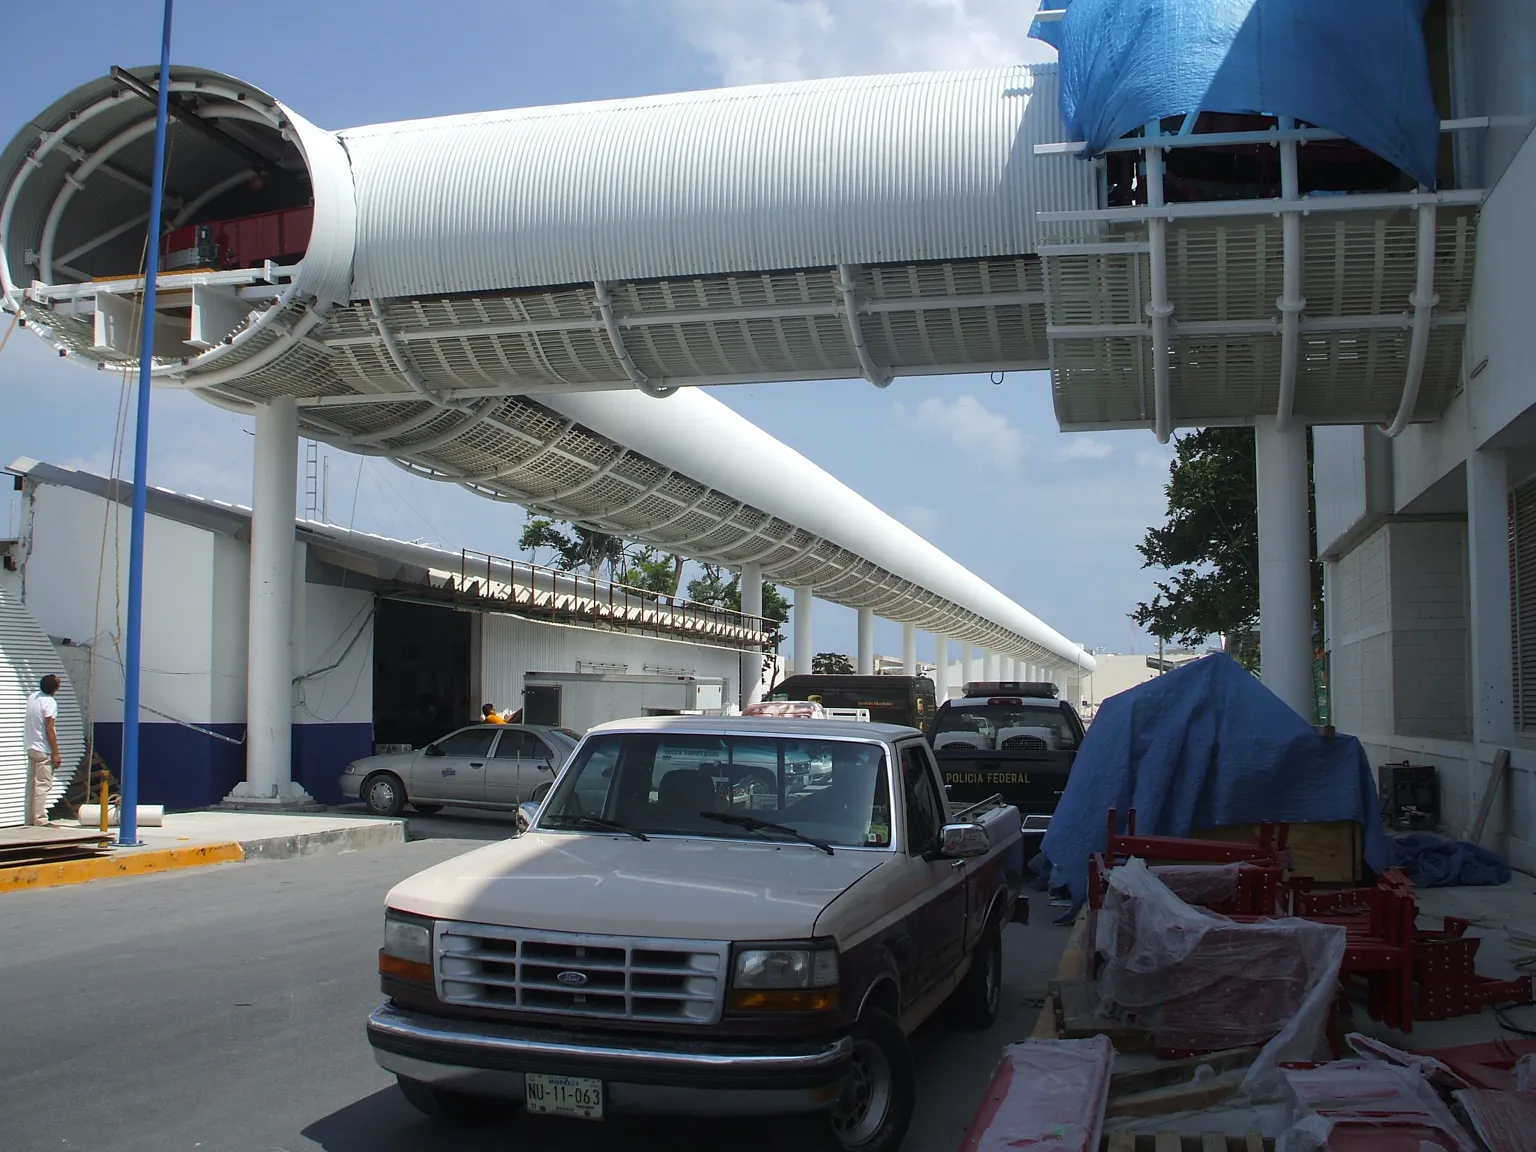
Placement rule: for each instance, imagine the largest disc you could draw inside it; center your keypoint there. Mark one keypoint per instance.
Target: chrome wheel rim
(381, 795)
(866, 1098)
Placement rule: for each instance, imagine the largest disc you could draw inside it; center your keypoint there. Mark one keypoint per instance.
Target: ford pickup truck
(661, 941)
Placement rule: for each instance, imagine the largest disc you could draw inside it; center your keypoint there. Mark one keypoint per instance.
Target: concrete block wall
(1428, 595)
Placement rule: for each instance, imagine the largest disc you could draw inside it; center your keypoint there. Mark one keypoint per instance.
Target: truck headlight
(785, 979)
(407, 951)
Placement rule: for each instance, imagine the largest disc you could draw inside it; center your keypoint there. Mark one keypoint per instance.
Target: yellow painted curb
(128, 864)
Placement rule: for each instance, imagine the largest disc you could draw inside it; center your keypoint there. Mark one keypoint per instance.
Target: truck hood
(678, 888)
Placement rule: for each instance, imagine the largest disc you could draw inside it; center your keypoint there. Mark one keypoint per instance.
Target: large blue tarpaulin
(1205, 746)
(1356, 67)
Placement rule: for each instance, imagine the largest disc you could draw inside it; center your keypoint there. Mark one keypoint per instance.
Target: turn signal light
(783, 999)
(398, 969)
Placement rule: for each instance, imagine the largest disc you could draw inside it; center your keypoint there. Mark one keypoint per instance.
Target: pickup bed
(662, 941)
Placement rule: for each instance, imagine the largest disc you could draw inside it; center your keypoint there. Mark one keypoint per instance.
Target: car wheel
(875, 1108)
(750, 784)
(541, 791)
(427, 809)
(459, 1109)
(979, 999)
(384, 794)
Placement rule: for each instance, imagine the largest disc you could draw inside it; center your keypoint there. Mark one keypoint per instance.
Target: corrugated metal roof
(870, 169)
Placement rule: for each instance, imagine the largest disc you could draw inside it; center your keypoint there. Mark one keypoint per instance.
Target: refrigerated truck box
(580, 700)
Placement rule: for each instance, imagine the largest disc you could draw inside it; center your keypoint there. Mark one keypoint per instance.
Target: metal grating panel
(1522, 587)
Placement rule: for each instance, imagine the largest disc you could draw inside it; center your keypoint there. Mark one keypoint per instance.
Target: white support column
(269, 661)
(967, 664)
(866, 661)
(752, 658)
(941, 667)
(805, 636)
(1490, 597)
(989, 662)
(909, 649)
(1285, 565)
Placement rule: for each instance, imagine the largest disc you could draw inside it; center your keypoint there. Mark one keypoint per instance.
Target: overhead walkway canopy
(497, 299)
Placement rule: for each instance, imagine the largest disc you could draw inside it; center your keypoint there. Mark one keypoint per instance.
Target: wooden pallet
(1186, 1142)
(21, 847)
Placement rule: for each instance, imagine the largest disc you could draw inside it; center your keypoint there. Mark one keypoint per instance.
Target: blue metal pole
(128, 814)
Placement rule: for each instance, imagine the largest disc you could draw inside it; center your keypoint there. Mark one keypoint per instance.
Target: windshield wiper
(600, 824)
(753, 824)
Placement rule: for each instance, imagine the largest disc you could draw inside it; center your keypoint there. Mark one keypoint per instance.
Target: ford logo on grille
(572, 979)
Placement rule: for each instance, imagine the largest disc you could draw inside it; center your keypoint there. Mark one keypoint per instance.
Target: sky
(980, 469)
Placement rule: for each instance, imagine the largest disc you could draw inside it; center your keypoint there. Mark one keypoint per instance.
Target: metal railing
(548, 593)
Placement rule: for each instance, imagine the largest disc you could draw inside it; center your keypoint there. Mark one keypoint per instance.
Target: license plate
(575, 1096)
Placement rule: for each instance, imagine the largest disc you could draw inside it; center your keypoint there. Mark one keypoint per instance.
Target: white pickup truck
(663, 940)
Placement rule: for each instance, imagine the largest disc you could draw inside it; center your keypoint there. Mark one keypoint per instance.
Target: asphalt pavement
(222, 1009)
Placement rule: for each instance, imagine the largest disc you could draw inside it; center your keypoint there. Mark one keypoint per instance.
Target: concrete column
(866, 662)
(269, 661)
(989, 666)
(941, 667)
(1285, 565)
(967, 665)
(752, 658)
(805, 636)
(1490, 598)
(909, 649)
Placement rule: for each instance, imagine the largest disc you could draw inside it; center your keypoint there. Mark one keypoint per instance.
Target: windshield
(834, 791)
(1010, 726)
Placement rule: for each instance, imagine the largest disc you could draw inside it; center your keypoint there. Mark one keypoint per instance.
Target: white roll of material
(150, 816)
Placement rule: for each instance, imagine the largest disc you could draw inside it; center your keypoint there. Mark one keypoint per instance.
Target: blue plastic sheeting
(1357, 68)
(1202, 747)
(1435, 863)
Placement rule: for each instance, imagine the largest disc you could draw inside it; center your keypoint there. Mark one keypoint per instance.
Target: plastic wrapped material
(1200, 981)
(1204, 885)
(1046, 1096)
(1362, 1095)
(1503, 1121)
(1431, 1069)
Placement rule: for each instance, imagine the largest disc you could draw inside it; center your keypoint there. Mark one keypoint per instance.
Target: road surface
(222, 1009)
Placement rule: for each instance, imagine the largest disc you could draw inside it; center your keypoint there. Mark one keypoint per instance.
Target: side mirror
(526, 811)
(433, 750)
(963, 841)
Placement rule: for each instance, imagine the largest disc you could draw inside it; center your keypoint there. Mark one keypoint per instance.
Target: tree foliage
(575, 547)
(723, 590)
(1210, 546)
(831, 664)
(654, 571)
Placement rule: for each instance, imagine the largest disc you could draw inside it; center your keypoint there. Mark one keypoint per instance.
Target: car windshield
(833, 791)
(1014, 726)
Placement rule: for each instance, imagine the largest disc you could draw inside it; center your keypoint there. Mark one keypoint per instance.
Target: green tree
(723, 590)
(1210, 547)
(654, 571)
(577, 548)
(831, 664)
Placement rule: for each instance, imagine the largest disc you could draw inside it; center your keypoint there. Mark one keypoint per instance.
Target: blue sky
(980, 469)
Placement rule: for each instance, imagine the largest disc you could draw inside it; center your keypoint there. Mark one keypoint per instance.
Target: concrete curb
(107, 867)
(375, 834)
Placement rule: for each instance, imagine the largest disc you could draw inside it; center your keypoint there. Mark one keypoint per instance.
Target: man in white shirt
(42, 748)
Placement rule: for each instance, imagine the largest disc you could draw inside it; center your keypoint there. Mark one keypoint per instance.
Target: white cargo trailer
(580, 700)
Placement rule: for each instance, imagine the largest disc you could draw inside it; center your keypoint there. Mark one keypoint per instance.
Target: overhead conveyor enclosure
(463, 278)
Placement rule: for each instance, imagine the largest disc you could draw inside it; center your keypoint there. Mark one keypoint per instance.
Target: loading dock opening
(420, 673)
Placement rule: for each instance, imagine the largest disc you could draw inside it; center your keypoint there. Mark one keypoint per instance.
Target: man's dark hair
(49, 684)
(487, 709)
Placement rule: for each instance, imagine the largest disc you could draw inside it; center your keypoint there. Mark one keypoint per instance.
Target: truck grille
(567, 974)
(1025, 744)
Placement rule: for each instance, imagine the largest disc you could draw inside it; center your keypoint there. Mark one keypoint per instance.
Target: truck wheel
(459, 1109)
(978, 1000)
(875, 1108)
(384, 794)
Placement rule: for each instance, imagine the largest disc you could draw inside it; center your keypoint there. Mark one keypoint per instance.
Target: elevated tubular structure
(483, 299)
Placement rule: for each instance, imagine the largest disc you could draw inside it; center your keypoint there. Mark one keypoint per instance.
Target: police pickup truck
(1007, 737)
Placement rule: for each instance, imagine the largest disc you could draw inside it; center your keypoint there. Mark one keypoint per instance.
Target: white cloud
(985, 438)
(1156, 458)
(760, 41)
(1079, 447)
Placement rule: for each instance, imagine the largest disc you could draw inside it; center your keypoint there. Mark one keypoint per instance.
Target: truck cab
(661, 941)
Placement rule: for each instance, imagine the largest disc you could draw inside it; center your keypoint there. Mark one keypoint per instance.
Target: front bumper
(688, 1077)
(351, 785)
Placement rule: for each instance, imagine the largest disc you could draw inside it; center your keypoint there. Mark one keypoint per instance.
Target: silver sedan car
(481, 766)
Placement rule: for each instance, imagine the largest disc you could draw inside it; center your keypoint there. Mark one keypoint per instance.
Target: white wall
(63, 560)
(510, 646)
(338, 629)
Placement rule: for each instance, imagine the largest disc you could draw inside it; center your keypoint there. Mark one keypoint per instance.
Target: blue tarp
(1435, 863)
(1205, 746)
(1356, 67)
